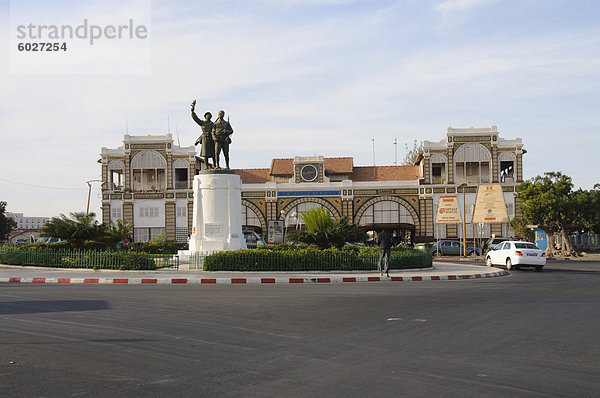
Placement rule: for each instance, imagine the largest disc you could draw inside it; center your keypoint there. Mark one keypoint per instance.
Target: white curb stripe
(250, 280)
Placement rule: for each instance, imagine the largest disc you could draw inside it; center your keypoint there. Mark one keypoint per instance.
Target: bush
(167, 247)
(136, 261)
(10, 256)
(307, 258)
(35, 256)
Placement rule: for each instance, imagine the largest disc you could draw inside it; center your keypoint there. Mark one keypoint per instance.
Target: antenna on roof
(126, 126)
(177, 132)
(395, 152)
(168, 124)
(374, 171)
(373, 141)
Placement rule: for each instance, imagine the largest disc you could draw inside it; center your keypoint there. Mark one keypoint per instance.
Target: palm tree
(75, 229)
(322, 231)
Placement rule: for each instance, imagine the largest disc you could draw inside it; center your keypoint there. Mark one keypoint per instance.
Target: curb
(232, 281)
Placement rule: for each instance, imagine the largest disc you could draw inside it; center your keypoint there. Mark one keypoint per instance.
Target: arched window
(438, 168)
(116, 173)
(181, 169)
(149, 169)
(506, 166)
(249, 217)
(472, 164)
(294, 215)
(386, 212)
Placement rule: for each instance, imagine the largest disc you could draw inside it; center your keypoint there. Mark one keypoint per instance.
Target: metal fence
(585, 241)
(259, 260)
(87, 259)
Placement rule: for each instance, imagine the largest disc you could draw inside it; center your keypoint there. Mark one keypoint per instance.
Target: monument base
(217, 219)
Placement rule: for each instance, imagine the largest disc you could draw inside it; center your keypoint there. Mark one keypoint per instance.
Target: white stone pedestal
(217, 220)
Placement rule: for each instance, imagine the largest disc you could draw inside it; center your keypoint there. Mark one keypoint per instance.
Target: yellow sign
(490, 206)
(448, 212)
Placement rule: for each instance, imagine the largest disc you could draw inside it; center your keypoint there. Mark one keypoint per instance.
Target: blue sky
(313, 77)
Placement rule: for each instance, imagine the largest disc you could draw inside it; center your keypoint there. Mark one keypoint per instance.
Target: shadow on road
(31, 307)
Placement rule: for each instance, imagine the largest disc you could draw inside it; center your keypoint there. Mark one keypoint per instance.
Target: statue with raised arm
(221, 136)
(206, 139)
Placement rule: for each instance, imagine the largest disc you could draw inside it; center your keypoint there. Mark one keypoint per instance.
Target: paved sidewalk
(439, 271)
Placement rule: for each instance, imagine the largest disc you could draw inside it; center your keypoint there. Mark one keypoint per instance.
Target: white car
(516, 254)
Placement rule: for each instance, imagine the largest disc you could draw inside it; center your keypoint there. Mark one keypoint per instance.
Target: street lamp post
(464, 219)
(89, 183)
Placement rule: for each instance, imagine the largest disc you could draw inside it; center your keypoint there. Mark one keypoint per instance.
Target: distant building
(27, 229)
(28, 222)
(149, 184)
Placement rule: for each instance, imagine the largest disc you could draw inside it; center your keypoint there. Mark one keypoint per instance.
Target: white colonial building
(472, 156)
(149, 184)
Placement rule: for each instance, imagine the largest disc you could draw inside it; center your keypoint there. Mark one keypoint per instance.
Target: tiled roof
(282, 167)
(254, 176)
(385, 173)
(339, 165)
(285, 167)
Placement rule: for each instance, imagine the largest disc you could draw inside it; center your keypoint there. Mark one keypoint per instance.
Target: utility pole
(464, 219)
(89, 183)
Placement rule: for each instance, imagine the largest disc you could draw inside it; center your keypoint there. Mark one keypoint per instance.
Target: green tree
(519, 225)
(324, 232)
(7, 224)
(550, 202)
(592, 223)
(117, 233)
(76, 229)
(412, 153)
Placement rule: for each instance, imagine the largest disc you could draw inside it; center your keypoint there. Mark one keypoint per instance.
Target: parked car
(253, 240)
(423, 246)
(492, 242)
(453, 248)
(516, 254)
(48, 239)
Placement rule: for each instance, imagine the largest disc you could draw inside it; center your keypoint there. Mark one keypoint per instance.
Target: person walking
(384, 241)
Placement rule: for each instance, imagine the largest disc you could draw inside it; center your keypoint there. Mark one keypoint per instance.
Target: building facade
(27, 229)
(472, 156)
(35, 223)
(149, 184)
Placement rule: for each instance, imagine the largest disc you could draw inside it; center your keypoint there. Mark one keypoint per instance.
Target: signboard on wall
(275, 232)
(490, 206)
(448, 212)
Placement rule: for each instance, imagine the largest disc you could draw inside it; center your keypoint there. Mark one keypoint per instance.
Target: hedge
(76, 259)
(309, 259)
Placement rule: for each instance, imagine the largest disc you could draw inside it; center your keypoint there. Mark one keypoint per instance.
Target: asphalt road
(529, 334)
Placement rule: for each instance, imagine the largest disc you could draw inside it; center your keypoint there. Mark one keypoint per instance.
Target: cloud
(299, 86)
(462, 5)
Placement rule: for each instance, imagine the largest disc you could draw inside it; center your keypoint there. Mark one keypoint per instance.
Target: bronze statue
(206, 140)
(220, 134)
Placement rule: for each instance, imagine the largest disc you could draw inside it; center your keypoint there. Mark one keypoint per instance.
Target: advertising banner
(490, 206)
(448, 212)
(275, 232)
